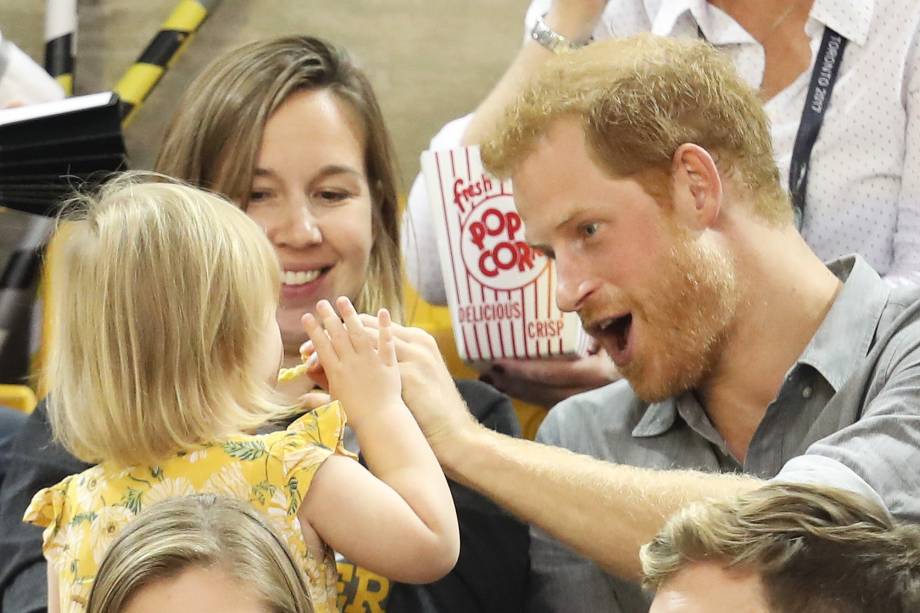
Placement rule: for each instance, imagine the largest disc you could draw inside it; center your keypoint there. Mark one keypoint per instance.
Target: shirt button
(806, 392)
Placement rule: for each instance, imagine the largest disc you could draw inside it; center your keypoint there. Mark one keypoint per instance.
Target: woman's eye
(328, 195)
(259, 195)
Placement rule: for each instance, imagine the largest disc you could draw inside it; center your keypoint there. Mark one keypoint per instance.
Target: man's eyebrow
(568, 218)
(544, 249)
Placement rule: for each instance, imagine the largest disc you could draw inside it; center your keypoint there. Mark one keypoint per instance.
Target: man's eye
(589, 229)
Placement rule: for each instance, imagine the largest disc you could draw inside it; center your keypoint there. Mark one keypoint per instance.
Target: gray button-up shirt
(847, 415)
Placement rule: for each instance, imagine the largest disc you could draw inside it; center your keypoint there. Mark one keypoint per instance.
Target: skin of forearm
(490, 110)
(604, 511)
(397, 453)
(570, 21)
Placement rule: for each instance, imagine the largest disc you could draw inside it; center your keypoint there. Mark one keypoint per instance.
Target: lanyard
(823, 79)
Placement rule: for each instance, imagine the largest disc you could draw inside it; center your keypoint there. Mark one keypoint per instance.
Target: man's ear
(696, 187)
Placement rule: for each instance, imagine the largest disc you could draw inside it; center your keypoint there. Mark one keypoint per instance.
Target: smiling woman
(290, 130)
(313, 203)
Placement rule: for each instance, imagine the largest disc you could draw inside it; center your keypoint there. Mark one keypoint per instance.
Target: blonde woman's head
(164, 334)
(206, 548)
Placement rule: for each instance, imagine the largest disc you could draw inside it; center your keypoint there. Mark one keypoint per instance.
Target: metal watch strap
(549, 38)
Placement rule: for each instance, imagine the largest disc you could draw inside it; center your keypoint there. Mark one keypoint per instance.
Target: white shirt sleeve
(419, 240)
(905, 265)
(22, 80)
(828, 472)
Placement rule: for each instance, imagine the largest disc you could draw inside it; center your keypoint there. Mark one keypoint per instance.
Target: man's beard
(685, 315)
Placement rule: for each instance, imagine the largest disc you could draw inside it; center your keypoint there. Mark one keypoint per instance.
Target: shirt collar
(660, 417)
(657, 419)
(664, 14)
(851, 19)
(671, 18)
(838, 347)
(845, 336)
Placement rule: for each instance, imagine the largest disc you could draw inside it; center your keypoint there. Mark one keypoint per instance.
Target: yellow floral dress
(84, 513)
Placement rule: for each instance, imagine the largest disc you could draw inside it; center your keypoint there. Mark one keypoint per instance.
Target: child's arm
(54, 594)
(399, 522)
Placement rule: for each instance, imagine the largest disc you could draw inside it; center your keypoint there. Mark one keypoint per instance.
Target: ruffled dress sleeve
(48, 509)
(306, 444)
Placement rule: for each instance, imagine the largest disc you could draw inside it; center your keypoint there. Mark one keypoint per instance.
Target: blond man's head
(638, 99)
(808, 549)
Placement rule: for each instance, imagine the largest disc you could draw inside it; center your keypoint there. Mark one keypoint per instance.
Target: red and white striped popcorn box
(501, 291)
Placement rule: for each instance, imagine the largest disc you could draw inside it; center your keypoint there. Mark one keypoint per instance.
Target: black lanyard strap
(823, 79)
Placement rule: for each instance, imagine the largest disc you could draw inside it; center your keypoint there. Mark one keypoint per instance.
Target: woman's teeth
(300, 277)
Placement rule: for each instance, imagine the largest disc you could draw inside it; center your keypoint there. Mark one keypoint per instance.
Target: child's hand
(362, 376)
(428, 388)
(312, 364)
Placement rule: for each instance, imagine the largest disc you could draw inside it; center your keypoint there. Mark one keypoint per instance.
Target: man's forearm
(604, 511)
(572, 20)
(490, 110)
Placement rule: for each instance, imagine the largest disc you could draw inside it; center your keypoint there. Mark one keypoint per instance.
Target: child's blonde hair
(162, 293)
(200, 531)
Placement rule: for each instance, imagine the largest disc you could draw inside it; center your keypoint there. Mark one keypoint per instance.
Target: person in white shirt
(862, 193)
(22, 81)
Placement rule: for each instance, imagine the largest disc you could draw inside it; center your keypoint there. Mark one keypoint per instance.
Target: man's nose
(572, 286)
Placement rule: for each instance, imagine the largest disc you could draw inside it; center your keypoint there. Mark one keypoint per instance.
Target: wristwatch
(551, 39)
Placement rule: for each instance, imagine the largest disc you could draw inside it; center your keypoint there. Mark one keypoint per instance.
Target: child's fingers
(321, 342)
(356, 333)
(386, 348)
(334, 328)
(404, 335)
(404, 341)
(368, 321)
(408, 333)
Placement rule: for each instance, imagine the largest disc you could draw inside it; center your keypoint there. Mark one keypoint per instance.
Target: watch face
(549, 39)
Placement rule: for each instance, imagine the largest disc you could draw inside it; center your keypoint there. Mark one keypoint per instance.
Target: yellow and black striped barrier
(61, 41)
(139, 80)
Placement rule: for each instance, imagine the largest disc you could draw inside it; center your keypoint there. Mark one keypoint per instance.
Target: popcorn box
(501, 291)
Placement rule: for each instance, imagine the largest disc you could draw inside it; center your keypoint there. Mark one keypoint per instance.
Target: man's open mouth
(614, 335)
(619, 328)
